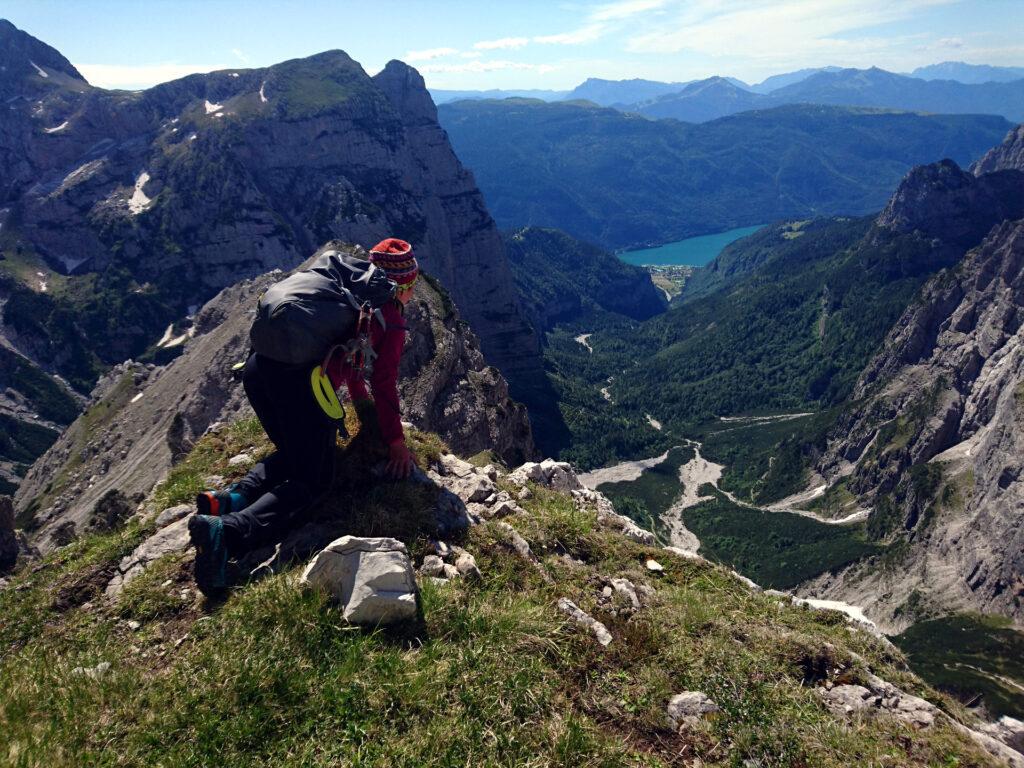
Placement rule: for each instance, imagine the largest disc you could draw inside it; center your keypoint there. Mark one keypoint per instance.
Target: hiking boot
(207, 534)
(219, 503)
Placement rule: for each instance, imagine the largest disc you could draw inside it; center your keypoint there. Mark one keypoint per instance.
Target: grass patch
(491, 675)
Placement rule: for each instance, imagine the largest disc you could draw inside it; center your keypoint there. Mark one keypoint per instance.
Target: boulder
(628, 591)
(466, 565)
(371, 578)
(173, 538)
(584, 619)
(172, 515)
(239, 460)
(93, 673)
(433, 565)
(688, 708)
(554, 474)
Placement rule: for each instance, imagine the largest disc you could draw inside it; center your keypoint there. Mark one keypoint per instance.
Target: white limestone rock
(554, 474)
(93, 673)
(239, 460)
(173, 515)
(689, 708)
(584, 619)
(519, 544)
(172, 538)
(465, 564)
(1008, 730)
(371, 578)
(433, 565)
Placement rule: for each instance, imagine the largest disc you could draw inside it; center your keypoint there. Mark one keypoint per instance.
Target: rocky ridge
(1008, 155)
(143, 418)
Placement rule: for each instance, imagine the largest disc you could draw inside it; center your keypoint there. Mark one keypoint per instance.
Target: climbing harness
(357, 354)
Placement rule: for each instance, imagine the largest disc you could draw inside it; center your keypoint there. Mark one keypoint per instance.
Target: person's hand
(400, 461)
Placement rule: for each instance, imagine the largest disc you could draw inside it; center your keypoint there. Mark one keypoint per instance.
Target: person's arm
(384, 383)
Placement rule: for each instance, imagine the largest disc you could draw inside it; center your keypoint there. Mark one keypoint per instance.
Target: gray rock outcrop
(371, 578)
(1008, 155)
(168, 540)
(585, 620)
(877, 697)
(688, 708)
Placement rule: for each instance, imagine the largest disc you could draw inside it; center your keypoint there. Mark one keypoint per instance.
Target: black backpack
(299, 319)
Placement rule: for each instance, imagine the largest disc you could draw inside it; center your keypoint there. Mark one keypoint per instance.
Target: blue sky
(522, 44)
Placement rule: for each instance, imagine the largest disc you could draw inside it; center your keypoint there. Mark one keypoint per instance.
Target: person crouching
(347, 315)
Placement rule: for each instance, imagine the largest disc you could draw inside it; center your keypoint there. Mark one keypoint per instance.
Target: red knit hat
(396, 258)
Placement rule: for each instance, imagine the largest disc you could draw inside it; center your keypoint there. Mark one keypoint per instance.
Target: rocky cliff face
(143, 418)
(934, 440)
(1008, 155)
(129, 210)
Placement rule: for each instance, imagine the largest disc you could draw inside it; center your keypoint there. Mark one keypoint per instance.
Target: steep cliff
(142, 418)
(122, 212)
(932, 441)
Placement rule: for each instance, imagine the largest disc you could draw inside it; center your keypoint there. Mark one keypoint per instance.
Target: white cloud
(140, 76)
(625, 9)
(588, 34)
(477, 66)
(949, 42)
(504, 43)
(240, 55)
(429, 54)
(773, 31)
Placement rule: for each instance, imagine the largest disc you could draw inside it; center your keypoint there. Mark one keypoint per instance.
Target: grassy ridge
(491, 673)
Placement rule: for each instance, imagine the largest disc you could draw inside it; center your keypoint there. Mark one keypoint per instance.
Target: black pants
(282, 488)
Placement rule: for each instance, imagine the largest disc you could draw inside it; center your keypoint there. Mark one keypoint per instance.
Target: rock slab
(688, 708)
(371, 578)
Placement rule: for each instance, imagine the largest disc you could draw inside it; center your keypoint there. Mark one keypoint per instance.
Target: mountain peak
(24, 58)
(405, 89)
(942, 200)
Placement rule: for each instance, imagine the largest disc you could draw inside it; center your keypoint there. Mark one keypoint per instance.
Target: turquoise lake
(694, 251)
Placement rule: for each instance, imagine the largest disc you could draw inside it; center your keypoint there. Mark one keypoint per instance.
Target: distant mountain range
(620, 180)
(707, 99)
(970, 74)
(717, 97)
(442, 96)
